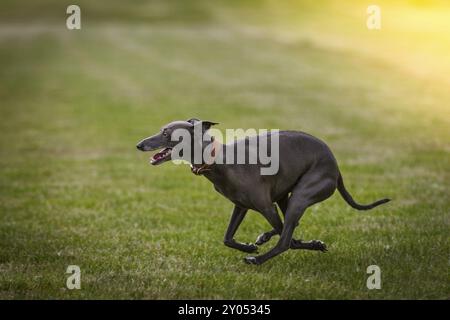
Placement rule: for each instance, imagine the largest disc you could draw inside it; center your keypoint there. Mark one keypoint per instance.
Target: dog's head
(163, 139)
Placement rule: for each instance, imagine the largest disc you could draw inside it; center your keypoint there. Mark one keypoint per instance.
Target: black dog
(308, 173)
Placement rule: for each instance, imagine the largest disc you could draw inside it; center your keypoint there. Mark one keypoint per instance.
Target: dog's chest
(237, 195)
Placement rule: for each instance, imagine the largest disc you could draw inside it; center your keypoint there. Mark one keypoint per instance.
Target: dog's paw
(319, 245)
(251, 260)
(251, 248)
(309, 245)
(263, 238)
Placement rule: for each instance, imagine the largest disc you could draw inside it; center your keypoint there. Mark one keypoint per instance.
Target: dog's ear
(207, 124)
(193, 121)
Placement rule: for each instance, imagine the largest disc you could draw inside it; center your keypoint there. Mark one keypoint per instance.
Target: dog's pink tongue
(158, 155)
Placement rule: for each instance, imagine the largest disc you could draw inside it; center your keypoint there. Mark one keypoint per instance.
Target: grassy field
(74, 190)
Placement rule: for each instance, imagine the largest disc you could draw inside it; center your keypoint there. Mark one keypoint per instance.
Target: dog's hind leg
(236, 218)
(299, 244)
(308, 245)
(312, 188)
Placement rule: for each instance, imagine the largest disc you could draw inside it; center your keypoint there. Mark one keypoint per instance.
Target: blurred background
(74, 103)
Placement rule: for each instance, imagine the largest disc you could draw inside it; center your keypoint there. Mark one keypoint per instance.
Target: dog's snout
(139, 146)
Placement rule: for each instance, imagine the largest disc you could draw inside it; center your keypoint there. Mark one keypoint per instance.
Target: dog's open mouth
(161, 156)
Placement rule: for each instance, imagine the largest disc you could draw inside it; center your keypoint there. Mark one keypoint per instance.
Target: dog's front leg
(236, 218)
(266, 236)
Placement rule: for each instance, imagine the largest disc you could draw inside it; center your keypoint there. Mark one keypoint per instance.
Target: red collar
(202, 168)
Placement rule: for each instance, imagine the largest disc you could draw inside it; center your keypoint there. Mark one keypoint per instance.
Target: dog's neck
(200, 169)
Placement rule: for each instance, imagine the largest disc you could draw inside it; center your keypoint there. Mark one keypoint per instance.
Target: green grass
(73, 189)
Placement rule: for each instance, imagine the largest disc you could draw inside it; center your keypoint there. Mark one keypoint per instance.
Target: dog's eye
(165, 134)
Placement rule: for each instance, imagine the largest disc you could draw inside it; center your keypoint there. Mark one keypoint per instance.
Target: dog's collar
(198, 170)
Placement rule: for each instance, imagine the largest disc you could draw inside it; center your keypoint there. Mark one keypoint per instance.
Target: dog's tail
(348, 198)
